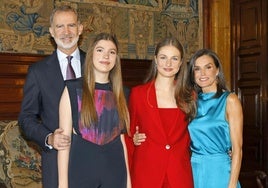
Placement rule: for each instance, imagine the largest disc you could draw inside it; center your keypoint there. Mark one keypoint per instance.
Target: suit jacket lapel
(54, 69)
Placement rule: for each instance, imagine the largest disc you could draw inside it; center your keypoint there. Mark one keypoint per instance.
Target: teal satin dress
(210, 143)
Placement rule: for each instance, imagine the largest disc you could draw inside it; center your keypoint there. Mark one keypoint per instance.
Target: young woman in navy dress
(93, 111)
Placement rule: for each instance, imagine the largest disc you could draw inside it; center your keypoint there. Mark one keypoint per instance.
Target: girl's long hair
(184, 95)
(88, 111)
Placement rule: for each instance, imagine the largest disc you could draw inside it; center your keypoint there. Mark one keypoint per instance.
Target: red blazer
(160, 155)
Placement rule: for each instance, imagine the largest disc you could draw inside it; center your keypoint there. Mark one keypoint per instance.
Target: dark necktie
(70, 74)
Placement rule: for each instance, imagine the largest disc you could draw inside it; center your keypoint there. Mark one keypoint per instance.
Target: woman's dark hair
(221, 84)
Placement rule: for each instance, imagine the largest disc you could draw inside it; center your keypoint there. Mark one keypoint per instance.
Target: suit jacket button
(167, 147)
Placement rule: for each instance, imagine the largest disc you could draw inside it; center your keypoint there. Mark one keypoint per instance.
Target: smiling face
(205, 73)
(65, 30)
(168, 61)
(104, 58)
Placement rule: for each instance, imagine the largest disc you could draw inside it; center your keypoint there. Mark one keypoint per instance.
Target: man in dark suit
(39, 116)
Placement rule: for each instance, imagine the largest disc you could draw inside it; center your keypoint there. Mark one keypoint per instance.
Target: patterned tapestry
(138, 24)
(20, 160)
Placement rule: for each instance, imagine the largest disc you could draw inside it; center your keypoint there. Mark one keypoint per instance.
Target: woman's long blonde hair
(88, 111)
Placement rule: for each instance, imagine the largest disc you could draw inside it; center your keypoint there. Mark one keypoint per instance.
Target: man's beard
(66, 45)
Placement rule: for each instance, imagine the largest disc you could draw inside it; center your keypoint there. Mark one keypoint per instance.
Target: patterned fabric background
(138, 24)
(20, 160)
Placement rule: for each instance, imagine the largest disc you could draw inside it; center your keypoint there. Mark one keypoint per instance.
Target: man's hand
(58, 140)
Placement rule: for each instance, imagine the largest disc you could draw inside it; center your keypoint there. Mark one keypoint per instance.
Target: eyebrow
(62, 24)
(204, 65)
(166, 55)
(103, 48)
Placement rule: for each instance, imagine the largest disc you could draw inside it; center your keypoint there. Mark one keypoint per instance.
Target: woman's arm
(235, 119)
(65, 122)
(122, 137)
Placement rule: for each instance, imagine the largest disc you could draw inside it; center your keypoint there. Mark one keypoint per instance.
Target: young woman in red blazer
(160, 109)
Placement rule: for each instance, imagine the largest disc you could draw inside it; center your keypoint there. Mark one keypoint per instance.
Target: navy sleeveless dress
(96, 154)
(210, 143)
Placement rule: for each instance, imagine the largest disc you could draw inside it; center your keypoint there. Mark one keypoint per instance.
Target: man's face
(65, 30)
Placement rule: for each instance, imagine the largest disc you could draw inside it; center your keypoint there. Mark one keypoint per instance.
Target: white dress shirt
(75, 63)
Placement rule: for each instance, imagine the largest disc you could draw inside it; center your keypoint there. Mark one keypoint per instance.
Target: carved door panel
(249, 63)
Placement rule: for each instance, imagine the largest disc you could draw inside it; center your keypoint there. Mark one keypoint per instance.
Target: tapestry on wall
(139, 25)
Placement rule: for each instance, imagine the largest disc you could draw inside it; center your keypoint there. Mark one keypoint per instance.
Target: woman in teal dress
(216, 130)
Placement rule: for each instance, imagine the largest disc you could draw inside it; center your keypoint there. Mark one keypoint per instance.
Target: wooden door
(250, 82)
